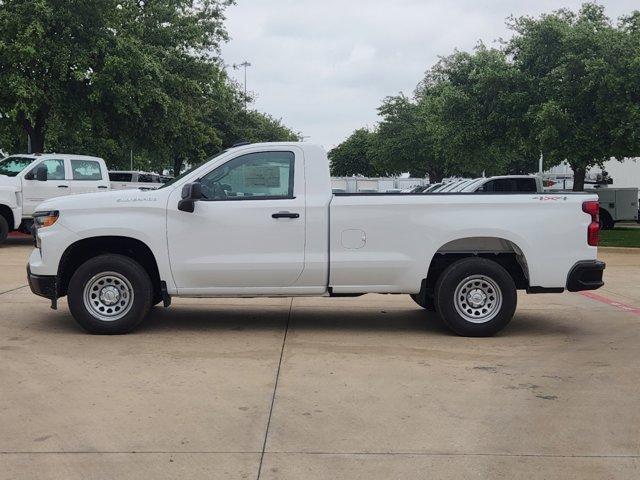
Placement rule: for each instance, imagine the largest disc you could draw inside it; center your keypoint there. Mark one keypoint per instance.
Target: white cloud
(324, 66)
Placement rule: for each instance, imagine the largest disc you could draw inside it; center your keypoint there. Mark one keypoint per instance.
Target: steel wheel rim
(108, 296)
(478, 299)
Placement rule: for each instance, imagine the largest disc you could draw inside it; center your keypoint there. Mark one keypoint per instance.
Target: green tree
(473, 106)
(403, 142)
(584, 88)
(353, 156)
(104, 74)
(108, 77)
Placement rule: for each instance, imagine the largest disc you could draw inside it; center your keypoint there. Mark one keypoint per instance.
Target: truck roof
(303, 145)
(57, 155)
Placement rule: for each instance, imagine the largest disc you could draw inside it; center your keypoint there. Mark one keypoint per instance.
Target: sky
(324, 66)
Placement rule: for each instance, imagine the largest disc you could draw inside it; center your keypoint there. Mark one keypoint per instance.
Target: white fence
(363, 184)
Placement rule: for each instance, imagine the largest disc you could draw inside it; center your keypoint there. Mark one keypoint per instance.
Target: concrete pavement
(361, 388)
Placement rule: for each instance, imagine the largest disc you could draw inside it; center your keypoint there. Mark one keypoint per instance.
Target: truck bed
(383, 242)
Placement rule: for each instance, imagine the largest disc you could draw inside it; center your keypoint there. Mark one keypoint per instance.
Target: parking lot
(354, 388)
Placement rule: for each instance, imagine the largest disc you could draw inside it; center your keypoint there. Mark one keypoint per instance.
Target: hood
(107, 200)
(11, 182)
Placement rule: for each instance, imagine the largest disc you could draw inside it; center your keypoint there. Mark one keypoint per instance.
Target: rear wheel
(476, 297)
(606, 222)
(110, 294)
(4, 229)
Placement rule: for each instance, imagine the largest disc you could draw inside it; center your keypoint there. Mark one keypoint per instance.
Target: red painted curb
(619, 305)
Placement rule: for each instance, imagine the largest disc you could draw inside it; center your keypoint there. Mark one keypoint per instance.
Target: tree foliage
(112, 76)
(403, 142)
(474, 105)
(353, 156)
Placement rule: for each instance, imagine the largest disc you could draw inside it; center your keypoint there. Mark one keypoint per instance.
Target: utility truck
(29, 179)
(261, 220)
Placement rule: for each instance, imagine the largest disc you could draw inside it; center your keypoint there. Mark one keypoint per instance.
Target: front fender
(149, 229)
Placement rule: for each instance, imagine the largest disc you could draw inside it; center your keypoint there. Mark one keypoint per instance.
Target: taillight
(593, 230)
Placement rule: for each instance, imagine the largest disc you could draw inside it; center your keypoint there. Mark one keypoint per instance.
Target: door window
(119, 177)
(86, 170)
(255, 176)
(55, 169)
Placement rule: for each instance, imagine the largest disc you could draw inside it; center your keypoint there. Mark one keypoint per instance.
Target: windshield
(12, 166)
(187, 172)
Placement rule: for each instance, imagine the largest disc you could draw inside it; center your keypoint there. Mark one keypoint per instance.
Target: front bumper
(44, 285)
(586, 275)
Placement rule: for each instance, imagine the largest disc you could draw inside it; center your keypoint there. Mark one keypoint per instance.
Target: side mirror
(41, 173)
(191, 193)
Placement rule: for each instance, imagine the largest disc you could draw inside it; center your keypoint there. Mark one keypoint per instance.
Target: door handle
(101, 186)
(285, 215)
(63, 186)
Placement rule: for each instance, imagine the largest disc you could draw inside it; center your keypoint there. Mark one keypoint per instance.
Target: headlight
(45, 219)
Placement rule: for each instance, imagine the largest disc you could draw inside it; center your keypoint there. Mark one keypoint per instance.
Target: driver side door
(247, 233)
(34, 192)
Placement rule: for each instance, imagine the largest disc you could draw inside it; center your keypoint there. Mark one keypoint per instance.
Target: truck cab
(27, 180)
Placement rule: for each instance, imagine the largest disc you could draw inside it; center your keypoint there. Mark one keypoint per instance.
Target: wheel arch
(7, 213)
(503, 251)
(82, 250)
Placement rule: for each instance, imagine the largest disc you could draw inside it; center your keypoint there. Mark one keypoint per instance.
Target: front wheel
(476, 297)
(110, 294)
(4, 229)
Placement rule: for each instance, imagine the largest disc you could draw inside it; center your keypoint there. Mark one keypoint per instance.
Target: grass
(620, 237)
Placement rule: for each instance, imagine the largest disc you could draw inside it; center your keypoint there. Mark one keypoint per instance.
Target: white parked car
(261, 220)
(450, 186)
(126, 179)
(28, 180)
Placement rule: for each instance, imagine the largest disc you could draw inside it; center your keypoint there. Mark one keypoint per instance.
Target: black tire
(4, 229)
(126, 270)
(424, 300)
(500, 298)
(606, 222)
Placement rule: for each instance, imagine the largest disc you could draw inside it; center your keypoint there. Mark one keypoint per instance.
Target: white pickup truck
(261, 220)
(27, 180)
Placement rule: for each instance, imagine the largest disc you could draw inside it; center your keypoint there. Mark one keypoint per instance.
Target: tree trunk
(435, 174)
(177, 165)
(578, 178)
(35, 129)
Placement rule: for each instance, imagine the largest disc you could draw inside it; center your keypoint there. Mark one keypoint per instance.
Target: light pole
(244, 64)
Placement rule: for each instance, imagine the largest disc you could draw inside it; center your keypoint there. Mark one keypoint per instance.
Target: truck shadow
(253, 318)
(16, 240)
(257, 318)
